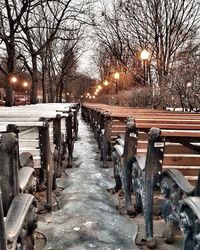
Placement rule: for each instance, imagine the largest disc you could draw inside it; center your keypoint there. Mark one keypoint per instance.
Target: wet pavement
(87, 217)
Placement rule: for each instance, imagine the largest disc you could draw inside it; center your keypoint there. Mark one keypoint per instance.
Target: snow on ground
(87, 218)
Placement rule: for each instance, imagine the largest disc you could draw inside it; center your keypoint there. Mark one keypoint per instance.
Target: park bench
(177, 167)
(108, 122)
(17, 208)
(175, 149)
(178, 155)
(42, 139)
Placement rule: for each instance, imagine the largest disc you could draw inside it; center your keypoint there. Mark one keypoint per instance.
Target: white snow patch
(76, 229)
(89, 224)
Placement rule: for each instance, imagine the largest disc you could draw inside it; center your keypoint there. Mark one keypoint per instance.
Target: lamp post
(145, 56)
(13, 79)
(99, 87)
(189, 94)
(116, 77)
(105, 83)
(10, 93)
(25, 84)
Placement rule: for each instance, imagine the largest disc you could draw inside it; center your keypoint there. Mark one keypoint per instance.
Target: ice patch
(76, 229)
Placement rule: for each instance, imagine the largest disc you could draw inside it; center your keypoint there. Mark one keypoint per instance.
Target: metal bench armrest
(180, 180)
(24, 176)
(16, 215)
(193, 203)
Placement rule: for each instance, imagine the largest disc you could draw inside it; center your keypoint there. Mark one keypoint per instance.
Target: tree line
(41, 37)
(169, 30)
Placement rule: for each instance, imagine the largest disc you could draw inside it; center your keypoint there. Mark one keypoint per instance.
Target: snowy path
(87, 218)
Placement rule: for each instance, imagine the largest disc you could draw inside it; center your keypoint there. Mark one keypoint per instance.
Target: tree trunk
(57, 91)
(61, 91)
(9, 95)
(10, 70)
(33, 99)
(51, 96)
(43, 84)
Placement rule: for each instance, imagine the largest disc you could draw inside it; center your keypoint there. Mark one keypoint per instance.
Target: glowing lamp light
(25, 84)
(99, 87)
(93, 97)
(13, 79)
(144, 54)
(105, 83)
(90, 97)
(116, 75)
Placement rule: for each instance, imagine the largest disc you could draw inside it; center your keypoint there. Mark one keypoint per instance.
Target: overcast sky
(85, 64)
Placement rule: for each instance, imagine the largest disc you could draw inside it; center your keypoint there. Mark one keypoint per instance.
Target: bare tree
(162, 26)
(185, 77)
(67, 68)
(40, 26)
(11, 13)
(114, 42)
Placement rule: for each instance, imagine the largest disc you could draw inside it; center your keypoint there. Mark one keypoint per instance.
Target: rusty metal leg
(117, 177)
(47, 162)
(75, 125)
(58, 142)
(149, 212)
(2, 226)
(50, 173)
(70, 154)
(128, 186)
(104, 148)
(150, 168)
(109, 153)
(70, 140)
(9, 164)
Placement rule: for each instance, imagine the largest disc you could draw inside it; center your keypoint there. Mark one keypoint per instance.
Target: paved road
(87, 218)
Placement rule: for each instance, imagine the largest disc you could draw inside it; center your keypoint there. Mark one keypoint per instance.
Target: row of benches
(153, 151)
(35, 141)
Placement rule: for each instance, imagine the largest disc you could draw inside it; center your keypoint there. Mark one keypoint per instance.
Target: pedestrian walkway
(87, 218)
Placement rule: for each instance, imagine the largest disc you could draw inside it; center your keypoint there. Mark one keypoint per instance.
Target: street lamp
(13, 79)
(105, 83)
(25, 84)
(116, 77)
(99, 87)
(144, 56)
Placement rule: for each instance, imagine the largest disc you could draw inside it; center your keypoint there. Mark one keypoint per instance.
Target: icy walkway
(87, 218)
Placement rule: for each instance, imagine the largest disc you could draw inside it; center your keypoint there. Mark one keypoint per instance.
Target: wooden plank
(178, 160)
(177, 148)
(25, 124)
(180, 133)
(168, 121)
(185, 170)
(168, 126)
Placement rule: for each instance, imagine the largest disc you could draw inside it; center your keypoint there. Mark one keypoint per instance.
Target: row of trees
(169, 30)
(41, 37)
